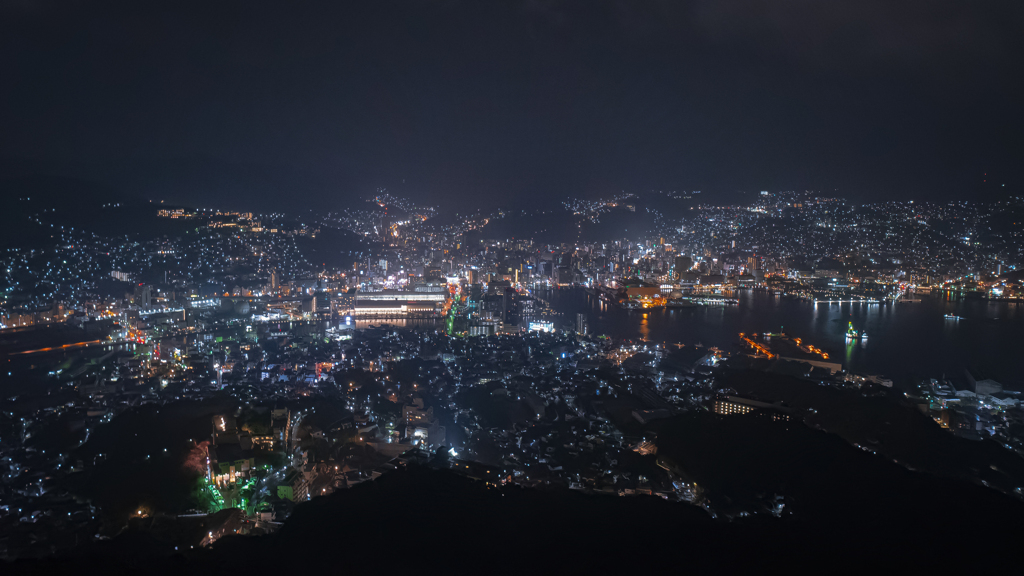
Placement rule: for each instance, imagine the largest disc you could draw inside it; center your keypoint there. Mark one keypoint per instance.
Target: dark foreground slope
(890, 426)
(851, 510)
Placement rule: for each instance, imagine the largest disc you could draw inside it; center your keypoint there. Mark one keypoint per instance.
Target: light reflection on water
(423, 323)
(911, 338)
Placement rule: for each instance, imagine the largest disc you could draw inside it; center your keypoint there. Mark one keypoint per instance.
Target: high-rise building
(544, 268)
(143, 295)
(682, 264)
(421, 425)
(344, 303)
(510, 306)
(581, 324)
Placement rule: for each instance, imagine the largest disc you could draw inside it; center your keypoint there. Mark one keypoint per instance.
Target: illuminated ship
(852, 334)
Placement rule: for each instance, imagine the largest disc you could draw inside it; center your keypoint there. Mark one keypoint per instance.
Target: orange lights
(759, 347)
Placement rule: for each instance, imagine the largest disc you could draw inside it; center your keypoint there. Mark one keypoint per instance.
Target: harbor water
(906, 340)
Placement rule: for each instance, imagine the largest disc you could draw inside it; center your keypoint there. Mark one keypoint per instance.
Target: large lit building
(733, 405)
(399, 303)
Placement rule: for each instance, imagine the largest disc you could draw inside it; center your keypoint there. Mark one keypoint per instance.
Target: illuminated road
(69, 346)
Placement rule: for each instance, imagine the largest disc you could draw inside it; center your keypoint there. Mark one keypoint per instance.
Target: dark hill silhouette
(889, 426)
(851, 510)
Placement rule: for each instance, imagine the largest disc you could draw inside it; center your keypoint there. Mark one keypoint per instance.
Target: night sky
(295, 104)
